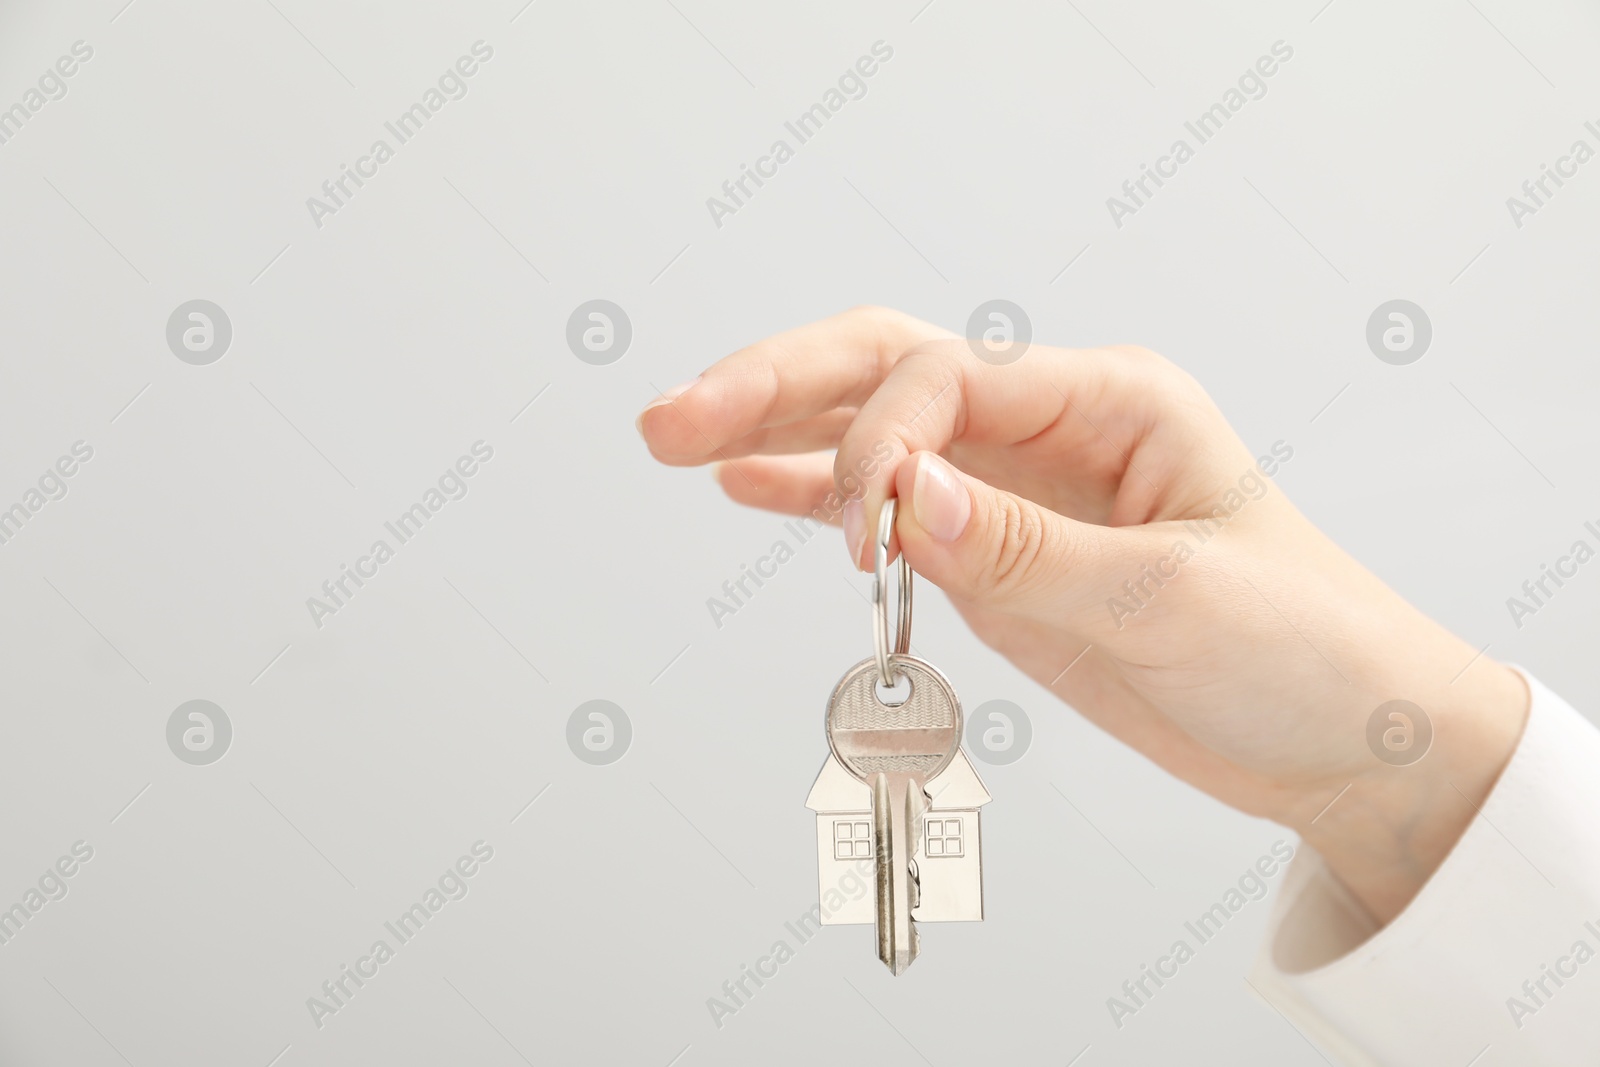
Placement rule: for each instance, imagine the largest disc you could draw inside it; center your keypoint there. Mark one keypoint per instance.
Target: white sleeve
(1496, 961)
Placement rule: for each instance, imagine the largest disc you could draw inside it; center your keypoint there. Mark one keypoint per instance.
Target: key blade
(894, 811)
(883, 859)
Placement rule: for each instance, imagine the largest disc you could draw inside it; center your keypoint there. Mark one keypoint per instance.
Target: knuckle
(1147, 363)
(1169, 385)
(872, 312)
(882, 323)
(887, 320)
(1024, 545)
(1156, 367)
(930, 375)
(936, 353)
(1139, 354)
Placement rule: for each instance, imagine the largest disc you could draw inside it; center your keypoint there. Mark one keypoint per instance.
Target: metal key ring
(880, 598)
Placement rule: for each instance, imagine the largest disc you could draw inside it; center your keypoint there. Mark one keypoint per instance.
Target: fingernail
(855, 530)
(665, 398)
(939, 501)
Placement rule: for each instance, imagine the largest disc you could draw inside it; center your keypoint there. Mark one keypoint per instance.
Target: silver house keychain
(897, 800)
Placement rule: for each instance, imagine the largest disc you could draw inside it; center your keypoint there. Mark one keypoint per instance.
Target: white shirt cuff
(1498, 957)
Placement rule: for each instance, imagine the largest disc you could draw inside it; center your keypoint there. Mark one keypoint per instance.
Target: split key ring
(887, 675)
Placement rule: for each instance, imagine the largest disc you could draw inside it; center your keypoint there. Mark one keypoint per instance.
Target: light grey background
(368, 354)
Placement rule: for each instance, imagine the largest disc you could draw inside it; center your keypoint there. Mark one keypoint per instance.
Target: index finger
(790, 376)
(942, 393)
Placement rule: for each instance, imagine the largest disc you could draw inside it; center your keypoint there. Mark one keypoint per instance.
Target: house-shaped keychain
(949, 872)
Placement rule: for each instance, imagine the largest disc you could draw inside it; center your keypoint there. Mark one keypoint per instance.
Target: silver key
(895, 750)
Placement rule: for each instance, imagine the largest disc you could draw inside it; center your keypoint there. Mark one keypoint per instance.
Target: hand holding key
(1096, 520)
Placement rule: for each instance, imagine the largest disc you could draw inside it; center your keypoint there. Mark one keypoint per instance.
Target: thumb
(1007, 553)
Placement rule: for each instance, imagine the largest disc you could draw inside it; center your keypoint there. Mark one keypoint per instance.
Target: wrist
(1399, 818)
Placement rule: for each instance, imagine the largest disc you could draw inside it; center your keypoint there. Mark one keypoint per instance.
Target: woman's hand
(1096, 520)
